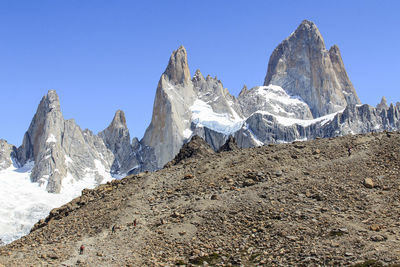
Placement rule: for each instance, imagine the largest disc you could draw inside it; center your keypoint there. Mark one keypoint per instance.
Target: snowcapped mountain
(306, 94)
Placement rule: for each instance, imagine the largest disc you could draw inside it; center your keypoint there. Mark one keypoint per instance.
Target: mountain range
(306, 94)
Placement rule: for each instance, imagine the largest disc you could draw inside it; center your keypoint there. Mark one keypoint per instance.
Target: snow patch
(68, 160)
(51, 139)
(291, 121)
(204, 116)
(187, 133)
(278, 98)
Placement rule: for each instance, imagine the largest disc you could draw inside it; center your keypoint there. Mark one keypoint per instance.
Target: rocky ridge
(299, 204)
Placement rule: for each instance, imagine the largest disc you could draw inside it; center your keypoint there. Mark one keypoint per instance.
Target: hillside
(303, 203)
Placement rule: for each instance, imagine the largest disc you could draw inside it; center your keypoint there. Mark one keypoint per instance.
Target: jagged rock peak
(244, 90)
(230, 145)
(50, 102)
(177, 70)
(309, 30)
(119, 120)
(303, 67)
(382, 104)
(198, 76)
(196, 147)
(48, 120)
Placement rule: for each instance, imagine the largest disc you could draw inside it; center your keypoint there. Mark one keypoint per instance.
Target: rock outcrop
(382, 105)
(230, 145)
(117, 139)
(196, 147)
(303, 67)
(7, 154)
(171, 111)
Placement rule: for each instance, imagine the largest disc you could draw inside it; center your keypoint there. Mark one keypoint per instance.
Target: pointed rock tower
(171, 110)
(303, 67)
(383, 104)
(42, 144)
(60, 149)
(117, 139)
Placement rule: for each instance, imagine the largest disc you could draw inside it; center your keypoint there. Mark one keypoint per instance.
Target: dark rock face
(230, 145)
(303, 67)
(196, 147)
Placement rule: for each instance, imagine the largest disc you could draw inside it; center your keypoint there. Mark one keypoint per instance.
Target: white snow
(277, 97)
(203, 115)
(187, 133)
(51, 139)
(68, 160)
(23, 203)
(102, 170)
(291, 121)
(277, 93)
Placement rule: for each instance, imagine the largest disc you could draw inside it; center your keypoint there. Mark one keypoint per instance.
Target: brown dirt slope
(299, 204)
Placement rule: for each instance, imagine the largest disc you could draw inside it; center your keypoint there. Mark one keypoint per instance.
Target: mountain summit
(171, 115)
(303, 67)
(177, 70)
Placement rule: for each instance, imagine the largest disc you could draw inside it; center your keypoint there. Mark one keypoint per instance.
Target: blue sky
(101, 56)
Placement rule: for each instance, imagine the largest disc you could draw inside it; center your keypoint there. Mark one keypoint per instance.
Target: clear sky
(101, 56)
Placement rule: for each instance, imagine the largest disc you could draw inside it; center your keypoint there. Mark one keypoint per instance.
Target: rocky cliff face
(7, 154)
(61, 151)
(263, 128)
(117, 139)
(42, 144)
(303, 67)
(171, 110)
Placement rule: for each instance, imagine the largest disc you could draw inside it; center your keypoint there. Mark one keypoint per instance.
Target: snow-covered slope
(203, 115)
(275, 100)
(23, 203)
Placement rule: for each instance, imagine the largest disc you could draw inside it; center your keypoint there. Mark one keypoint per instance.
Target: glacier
(24, 203)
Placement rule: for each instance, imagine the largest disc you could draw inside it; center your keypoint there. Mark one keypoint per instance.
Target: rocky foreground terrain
(299, 204)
